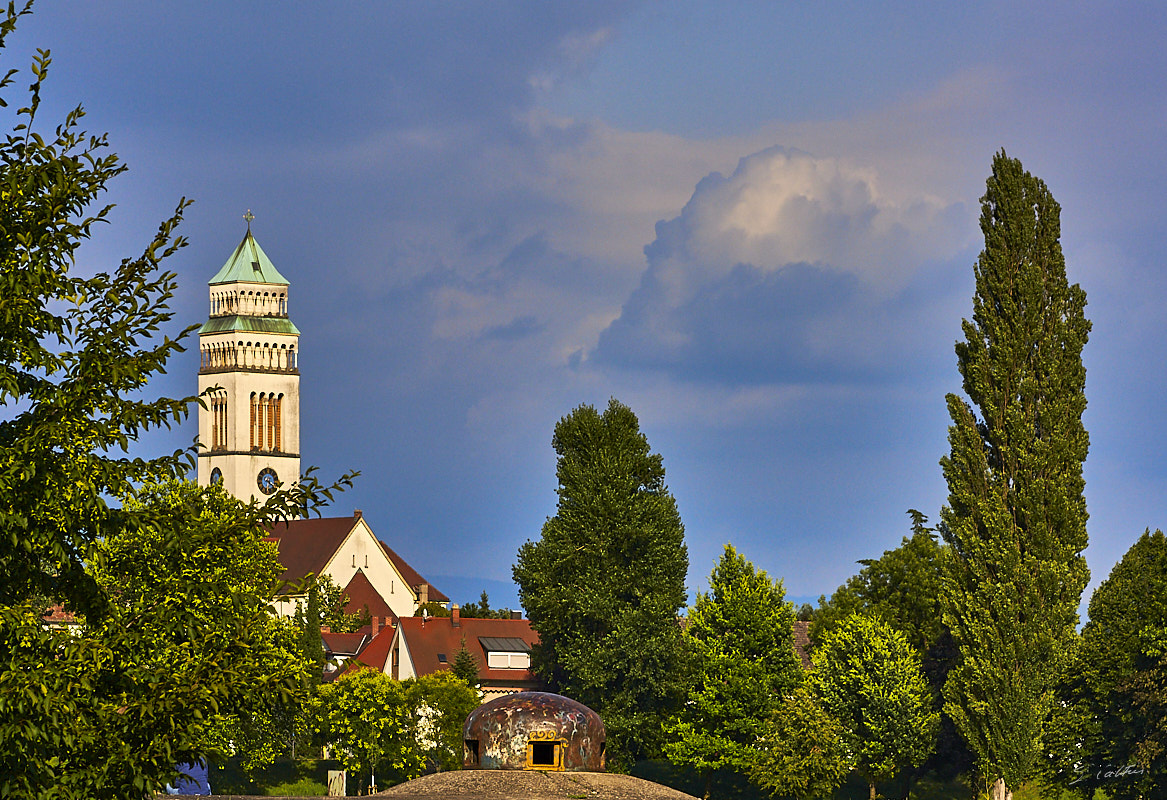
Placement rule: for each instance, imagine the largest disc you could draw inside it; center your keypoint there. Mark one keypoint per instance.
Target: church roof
(242, 322)
(250, 264)
(306, 546)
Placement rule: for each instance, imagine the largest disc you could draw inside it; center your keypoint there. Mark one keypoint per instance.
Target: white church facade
(249, 432)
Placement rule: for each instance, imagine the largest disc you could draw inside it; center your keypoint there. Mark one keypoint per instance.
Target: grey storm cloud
(792, 269)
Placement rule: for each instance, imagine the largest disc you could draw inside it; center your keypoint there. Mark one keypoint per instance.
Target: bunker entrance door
(545, 754)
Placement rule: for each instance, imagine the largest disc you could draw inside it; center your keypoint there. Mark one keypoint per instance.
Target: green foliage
(108, 712)
(311, 641)
(365, 716)
(741, 634)
(482, 609)
(1016, 515)
(195, 557)
(1117, 690)
(440, 702)
(333, 602)
(803, 753)
(432, 609)
(902, 588)
(605, 582)
(465, 667)
(867, 677)
(287, 777)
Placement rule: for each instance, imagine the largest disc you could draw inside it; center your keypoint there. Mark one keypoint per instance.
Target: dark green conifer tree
(465, 667)
(311, 640)
(1116, 687)
(604, 583)
(1016, 515)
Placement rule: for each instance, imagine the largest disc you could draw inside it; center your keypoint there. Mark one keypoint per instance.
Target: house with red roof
(372, 575)
(501, 647)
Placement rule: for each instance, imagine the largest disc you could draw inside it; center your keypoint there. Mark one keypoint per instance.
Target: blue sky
(754, 223)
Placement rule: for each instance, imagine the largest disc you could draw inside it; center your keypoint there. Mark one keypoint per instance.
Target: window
(277, 416)
(508, 660)
(543, 754)
(271, 416)
(544, 751)
(442, 658)
(219, 422)
(506, 652)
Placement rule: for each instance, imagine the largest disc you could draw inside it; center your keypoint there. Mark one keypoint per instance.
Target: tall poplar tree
(604, 583)
(1016, 515)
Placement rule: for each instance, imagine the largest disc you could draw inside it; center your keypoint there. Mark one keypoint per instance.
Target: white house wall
(405, 668)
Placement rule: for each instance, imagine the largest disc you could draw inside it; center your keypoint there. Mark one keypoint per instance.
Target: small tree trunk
(708, 784)
(871, 790)
(1001, 791)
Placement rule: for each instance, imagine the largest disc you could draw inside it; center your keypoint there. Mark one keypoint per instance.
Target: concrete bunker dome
(534, 731)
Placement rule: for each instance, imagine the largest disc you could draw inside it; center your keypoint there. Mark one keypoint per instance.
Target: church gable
(361, 550)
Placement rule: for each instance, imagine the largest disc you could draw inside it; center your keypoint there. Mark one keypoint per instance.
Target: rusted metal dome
(534, 730)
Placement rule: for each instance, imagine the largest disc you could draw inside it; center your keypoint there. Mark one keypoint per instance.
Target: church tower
(250, 428)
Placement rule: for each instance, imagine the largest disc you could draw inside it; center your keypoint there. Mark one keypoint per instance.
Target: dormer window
(506, 652)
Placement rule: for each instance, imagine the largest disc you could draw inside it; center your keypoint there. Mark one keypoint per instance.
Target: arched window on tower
(277, 418)
(254, 422)
(219, 422)
(271, 422)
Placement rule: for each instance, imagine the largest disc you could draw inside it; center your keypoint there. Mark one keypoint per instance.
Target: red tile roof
(345, 644)
(306, 545)
(376, 652)
(57, 615)
(362, 594)
(427, 638)
(411, 576)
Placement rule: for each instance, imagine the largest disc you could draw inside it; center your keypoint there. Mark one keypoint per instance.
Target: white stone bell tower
(250, 428)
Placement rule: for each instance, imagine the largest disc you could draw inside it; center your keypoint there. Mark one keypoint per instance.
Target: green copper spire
(248, 263)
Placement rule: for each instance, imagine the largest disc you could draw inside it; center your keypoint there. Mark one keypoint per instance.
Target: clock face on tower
(216, 476)
(267, 480)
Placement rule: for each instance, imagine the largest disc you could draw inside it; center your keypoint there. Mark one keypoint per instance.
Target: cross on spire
(248, 217)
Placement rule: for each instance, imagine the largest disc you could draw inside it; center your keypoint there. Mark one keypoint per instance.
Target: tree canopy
(1016, 514)
(99, 714)
(1117, 683)
(901, 587)
(604, 583)
(366, 716)
(867, 677)
(803, 752)
(741, 635)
